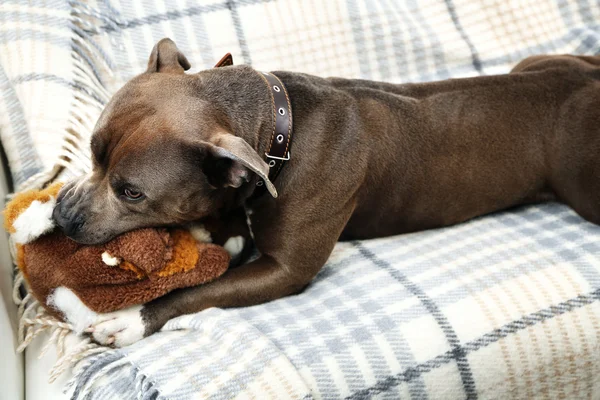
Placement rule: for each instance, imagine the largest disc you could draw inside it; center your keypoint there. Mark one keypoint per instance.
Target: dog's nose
(69, 226)
(56, 215)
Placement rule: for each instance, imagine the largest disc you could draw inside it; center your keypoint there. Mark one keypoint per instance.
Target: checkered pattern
(50, 89)
(390, 40)
(505, 306)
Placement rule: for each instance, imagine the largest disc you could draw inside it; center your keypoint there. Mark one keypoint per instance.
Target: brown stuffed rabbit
(133, 268)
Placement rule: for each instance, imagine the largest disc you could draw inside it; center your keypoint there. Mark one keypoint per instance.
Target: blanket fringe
(34, 320)
(97, 367)
(90, 97)
(93, 369)
(90, 371)
(90, 93)
(144, 387)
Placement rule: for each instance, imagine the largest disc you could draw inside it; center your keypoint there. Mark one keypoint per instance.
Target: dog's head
(162, 155)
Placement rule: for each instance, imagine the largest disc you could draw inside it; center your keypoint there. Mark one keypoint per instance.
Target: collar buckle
(286, 158)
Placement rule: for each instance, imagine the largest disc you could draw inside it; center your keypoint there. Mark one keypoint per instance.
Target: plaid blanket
(505, 306)
(50, 89)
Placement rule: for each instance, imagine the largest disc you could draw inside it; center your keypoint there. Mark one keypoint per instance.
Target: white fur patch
(234, 246)
(75, 312)
(110, 260)
(34, 221)
(200, 233)
(119, 328)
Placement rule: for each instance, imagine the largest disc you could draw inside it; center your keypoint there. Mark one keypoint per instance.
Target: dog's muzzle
(69, 224)
(69, 213)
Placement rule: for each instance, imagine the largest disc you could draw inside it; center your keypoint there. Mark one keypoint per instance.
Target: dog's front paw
(119, 328)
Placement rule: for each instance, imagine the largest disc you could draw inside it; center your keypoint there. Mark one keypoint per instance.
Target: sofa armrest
(11, 362)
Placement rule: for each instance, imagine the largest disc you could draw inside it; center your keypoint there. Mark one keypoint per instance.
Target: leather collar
(278, 151)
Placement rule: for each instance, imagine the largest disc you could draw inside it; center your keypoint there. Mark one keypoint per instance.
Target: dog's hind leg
(574, 153)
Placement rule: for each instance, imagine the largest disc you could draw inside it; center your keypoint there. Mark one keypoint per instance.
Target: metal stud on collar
(278, 151)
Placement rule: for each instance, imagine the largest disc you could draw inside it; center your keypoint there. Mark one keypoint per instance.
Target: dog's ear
(166, 57)
(229, 160)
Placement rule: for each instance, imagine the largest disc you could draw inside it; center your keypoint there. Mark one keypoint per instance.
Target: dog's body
(368, 159)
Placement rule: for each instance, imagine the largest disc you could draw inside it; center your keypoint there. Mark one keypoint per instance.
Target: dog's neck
(243, 99)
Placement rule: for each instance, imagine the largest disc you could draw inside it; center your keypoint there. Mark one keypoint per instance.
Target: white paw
(119, 328)
(234, 246)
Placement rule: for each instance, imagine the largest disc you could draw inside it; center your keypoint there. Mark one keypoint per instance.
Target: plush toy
(133, 268)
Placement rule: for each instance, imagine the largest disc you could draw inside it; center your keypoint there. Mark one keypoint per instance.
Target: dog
(367, 159)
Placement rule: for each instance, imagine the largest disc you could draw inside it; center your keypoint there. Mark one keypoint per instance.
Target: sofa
(503, 306)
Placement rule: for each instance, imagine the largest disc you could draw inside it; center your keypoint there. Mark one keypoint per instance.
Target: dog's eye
(132, 194)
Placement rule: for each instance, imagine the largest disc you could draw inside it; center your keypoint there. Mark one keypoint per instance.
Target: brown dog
(368, 159)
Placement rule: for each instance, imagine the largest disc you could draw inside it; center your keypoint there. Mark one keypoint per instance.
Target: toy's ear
(29, 214)
(147, 249)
